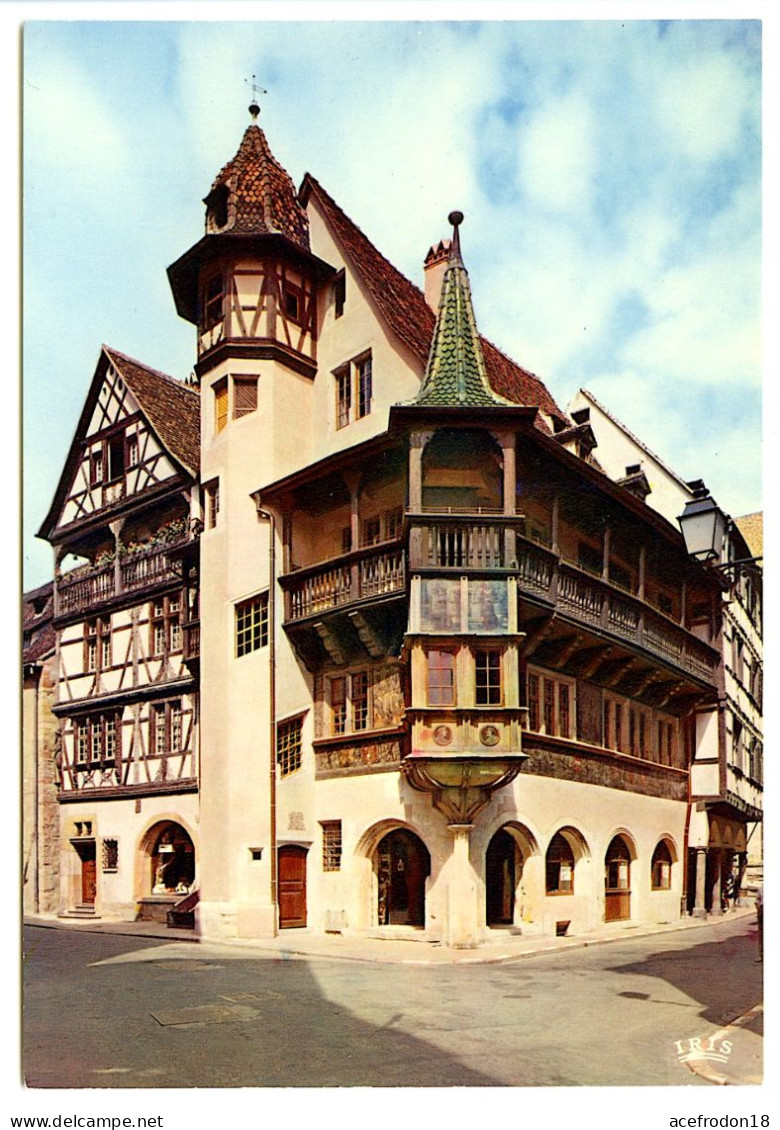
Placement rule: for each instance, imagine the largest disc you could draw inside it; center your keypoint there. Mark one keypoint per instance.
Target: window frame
(350, 710)
(244, 381)
(165, 634)
(213, 299)
(543, 699)
(657, 865)
(560, 845)
(251, 624)
(289, 745)
(98, 645)
(97, 740)
(447, 668)
(493, 670)
(332, 845)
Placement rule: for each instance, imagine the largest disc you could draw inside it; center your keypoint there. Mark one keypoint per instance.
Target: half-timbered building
(121, 524)
(449, 670)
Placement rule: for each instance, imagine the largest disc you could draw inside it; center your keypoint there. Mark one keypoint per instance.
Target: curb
(319, 949)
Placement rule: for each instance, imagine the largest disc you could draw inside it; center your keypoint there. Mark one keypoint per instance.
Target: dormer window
(217, 205)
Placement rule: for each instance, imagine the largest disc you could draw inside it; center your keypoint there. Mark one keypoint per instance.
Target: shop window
(289, 745)
(661, 868)
(331, 845)
(251, 624)
(559, 867)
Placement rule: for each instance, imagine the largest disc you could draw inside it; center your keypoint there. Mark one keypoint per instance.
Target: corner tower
(250, 287)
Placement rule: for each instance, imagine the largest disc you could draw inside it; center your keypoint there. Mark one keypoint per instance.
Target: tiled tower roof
(260, 196)
(455, 376)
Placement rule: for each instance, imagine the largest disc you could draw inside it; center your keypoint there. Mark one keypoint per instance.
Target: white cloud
(556, 155)
(700, 106)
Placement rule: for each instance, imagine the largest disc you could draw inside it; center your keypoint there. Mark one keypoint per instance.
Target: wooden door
(292, 886)
(88, 881)
(617, 881)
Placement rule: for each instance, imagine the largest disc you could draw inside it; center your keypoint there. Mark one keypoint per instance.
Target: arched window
(559, 867)
(661, 868)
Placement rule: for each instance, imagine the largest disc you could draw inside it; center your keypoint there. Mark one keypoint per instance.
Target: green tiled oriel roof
(455, 376)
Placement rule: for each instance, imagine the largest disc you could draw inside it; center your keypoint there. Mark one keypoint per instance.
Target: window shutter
(244, 396)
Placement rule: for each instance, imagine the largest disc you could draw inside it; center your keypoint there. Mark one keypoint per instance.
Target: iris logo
(698, 1047)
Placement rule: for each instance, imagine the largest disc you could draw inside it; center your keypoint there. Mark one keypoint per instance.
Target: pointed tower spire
(455, 376)
(253, 194)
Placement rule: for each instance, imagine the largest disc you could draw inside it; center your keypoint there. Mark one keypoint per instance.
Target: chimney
(435, 265)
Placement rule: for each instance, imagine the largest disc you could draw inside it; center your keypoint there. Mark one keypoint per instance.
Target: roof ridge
(649, 451)
(175, 381)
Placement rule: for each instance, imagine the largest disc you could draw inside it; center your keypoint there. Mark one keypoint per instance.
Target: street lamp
(704, 528)
(703, 524)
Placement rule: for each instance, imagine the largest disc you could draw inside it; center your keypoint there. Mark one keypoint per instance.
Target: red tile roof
(38, 636)
(409, 316)
(261, 194)
(173, 408)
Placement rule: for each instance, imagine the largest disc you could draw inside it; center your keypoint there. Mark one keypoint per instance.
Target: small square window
(244, 396)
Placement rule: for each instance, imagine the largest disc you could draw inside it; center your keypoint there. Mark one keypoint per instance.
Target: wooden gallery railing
(369, 572)
(87, 586)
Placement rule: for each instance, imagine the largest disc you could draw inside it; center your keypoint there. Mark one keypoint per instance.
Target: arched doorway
(172, 860)
(617, 881)
(501, 879)
(291, 860)
(403, 864)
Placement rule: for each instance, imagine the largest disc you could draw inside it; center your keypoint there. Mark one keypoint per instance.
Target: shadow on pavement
(203, 1023)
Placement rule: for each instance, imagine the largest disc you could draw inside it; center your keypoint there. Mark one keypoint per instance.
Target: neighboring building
(451, 674)
(126, 690)
(40, 756)
(725, 838)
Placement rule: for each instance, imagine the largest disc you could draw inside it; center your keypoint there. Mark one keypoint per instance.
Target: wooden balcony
(457, 540)
(372, 572)
(191, 641)
(87, 587)
(585, 599)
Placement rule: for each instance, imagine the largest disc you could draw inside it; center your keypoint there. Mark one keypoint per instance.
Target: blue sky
(609, 172)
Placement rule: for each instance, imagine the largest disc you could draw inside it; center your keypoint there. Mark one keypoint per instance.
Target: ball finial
(455, 218)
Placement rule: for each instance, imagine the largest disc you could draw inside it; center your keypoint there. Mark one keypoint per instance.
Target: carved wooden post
(116, 529)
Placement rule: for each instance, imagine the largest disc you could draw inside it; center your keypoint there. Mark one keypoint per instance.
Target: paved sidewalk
(502, 946)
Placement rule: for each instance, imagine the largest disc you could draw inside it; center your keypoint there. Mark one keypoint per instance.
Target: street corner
(732, 1056)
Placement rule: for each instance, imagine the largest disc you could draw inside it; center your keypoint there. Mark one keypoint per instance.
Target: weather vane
(254, 108)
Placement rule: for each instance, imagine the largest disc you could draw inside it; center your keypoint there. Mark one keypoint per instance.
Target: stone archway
(402, 863)
(167, 875)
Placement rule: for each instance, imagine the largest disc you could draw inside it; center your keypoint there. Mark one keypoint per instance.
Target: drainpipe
(267, 516)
